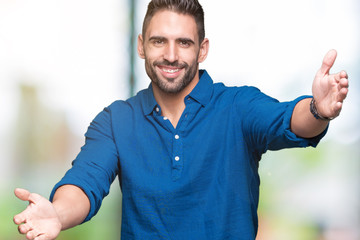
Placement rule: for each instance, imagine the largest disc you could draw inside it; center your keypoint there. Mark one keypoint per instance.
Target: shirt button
(157, 109)
(177, 158)
(177, 136)
(165, 118)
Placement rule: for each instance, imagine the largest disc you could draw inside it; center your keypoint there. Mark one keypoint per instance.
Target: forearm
(303, 123)
(72, 205)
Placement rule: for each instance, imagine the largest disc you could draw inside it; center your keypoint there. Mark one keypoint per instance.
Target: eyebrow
(186, 40)
(157, 38)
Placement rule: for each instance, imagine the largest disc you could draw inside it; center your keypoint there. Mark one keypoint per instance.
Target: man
(186, 150)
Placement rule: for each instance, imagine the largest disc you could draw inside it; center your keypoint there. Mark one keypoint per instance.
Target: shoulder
(118, 105)
(129, 105)
(220, 87)
(240, 94)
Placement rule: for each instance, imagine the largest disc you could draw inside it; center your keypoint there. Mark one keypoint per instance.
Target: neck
(172, 105)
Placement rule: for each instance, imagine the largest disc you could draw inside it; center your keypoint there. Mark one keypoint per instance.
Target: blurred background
(62, 62)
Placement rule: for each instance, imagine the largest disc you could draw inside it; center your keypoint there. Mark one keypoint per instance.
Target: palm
(39, 220)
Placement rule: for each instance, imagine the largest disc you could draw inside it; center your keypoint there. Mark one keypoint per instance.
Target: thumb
(22, 194)
(25, 195)
(328, 61)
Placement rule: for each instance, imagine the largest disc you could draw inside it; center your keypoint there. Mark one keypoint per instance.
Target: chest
(205, 145)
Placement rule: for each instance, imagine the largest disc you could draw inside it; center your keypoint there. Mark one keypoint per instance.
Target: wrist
(316, 114)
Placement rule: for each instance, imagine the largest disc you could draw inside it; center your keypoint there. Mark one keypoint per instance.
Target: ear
(140, 46)
(204, 50)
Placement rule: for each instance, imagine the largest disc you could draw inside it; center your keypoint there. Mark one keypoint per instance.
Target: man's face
(171, 51)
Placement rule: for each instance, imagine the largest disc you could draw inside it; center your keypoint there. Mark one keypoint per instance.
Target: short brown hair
(191, 7)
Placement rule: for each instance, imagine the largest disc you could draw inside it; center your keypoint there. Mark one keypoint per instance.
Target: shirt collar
(149, 102)
(204, 89)
(201, 93)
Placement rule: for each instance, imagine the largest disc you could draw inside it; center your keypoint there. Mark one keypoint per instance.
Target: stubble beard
(171, 85)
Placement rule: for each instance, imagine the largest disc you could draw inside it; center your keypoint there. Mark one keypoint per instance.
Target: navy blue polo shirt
(196, 181)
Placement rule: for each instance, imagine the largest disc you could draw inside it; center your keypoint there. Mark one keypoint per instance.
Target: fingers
(28, 231)
(343, 74)
(343, 85)
(344, 82)
(41, 237)
(36, 235)
(24, 228)
(23, 195)
(328, 61)
(338, 106)
(32, 234)
(342, 94)
(20, 218)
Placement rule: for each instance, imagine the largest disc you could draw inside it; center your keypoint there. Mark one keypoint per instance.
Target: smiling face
(172, 51)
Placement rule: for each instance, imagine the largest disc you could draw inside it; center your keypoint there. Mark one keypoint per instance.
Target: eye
(184, 43)
(158, 42)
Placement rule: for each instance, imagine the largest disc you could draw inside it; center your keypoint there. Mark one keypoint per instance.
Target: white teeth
(170, 70)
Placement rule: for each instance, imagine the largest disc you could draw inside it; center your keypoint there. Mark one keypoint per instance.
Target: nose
(171, 53)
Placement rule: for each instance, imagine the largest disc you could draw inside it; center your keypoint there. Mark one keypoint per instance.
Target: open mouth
(169, 71)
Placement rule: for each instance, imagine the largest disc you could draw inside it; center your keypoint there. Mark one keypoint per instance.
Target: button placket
(177, 153)
(177, 161)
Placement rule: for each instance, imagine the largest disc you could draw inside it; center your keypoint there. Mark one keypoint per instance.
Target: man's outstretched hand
(39, 221)
(329, 90)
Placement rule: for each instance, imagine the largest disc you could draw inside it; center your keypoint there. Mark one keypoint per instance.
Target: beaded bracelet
(314, 111)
